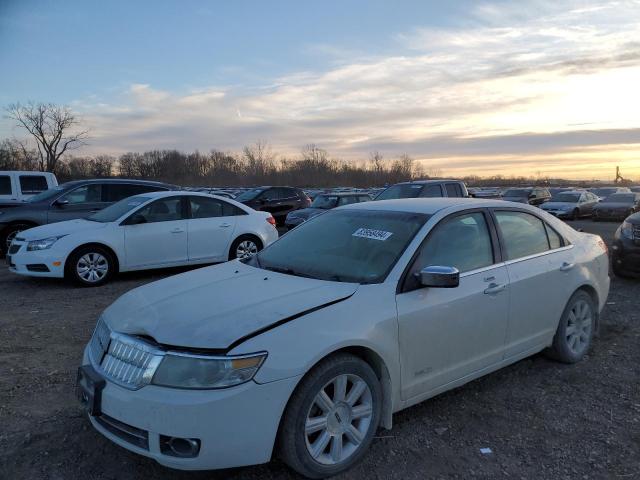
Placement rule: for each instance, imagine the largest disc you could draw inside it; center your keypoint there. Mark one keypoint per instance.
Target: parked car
(322, 203)
(635, 189)
(278, 201)
(604, 192)
(424, 189)
(355, 315)
(531, 196)
(571, 204)
(17, 187)
(77, 199)
(625, 252)
(617, 206)
(152, 230)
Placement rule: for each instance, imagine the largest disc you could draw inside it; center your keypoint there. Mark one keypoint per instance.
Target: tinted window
(163, 210)
(325, 201)
(249, 194)
(462, 242)
(5, 185)
(348, 245)
(287, 192)
(91, 193)
(32, 184)
(430, 191)
(118, 191)
(523, 234)
(453, 190)
(203, 207)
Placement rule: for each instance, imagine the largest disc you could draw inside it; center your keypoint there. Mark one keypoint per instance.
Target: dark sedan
(278, 201)
(625, 252)
(321, 204)
(617, 206)
(71, 200)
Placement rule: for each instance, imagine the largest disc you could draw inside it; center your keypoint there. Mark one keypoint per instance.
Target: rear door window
(523, 234)
(32, 184)
(162, 210)
(5, 185)
(431, 191)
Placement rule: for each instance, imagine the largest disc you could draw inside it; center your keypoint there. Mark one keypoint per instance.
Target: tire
(9, 233)
(245, 246)
(575, 329)
(90, 266)
(620, 273)
(314, 439)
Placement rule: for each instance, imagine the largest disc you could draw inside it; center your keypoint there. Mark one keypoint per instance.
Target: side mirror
(136, 220)
(439, 277)
(61, 202)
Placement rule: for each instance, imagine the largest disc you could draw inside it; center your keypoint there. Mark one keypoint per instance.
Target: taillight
(272, 221)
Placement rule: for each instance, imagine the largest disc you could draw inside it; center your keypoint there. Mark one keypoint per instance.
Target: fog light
(179, 447)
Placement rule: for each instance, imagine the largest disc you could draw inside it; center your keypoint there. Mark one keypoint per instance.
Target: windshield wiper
(288, 271)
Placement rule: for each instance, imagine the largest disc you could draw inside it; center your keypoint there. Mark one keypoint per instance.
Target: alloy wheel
(580, 323)
(338, 419)
(246, 249)
(92, 267)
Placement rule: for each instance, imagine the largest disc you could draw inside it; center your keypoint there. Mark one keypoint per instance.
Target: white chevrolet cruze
(305, 349)
(152, 230)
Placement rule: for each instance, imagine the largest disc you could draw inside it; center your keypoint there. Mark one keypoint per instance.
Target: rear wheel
(575, 329)
(90, 266)
(331, 418)
(245, 246)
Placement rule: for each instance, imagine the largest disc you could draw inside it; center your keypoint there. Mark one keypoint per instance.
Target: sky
(534, 87)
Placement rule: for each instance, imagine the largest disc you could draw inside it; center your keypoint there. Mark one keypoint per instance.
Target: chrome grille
(123, 359)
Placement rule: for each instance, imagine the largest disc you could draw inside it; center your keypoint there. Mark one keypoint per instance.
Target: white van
(16, 187)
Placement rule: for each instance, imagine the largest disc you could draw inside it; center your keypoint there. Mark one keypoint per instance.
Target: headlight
(202, 371)
(43, 244)
(627, 230)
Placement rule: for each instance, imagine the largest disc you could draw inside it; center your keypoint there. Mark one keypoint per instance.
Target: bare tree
(53, 127)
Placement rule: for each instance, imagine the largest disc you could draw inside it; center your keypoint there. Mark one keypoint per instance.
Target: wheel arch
(242, 234)
(95, 244)
(593, 293)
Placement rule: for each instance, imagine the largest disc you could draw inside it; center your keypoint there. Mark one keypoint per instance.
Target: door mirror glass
(439, 277)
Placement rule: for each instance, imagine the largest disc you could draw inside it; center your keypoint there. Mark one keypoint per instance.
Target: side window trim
(495, 247)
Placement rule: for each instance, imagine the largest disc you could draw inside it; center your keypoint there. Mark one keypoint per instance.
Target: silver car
(305, 355)
(571, 204)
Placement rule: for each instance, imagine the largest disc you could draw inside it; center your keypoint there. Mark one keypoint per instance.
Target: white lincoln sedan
(306, 348)
(151, 230)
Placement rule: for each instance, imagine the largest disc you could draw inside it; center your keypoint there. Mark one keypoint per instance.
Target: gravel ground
(539, 418)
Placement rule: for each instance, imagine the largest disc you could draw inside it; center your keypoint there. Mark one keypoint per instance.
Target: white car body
(20, 186)
(145, 246)
(420, 343)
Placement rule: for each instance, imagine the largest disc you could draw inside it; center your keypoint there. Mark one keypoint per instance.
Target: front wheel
(331, 418)
(90, 266)
(575, 329)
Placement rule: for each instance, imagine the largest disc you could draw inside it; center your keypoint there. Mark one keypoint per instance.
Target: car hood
(307, 212)
(557, 205)
(614, 206)
(214, 307)
(61, 228)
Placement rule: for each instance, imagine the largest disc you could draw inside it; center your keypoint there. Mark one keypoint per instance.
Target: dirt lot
(541, 419)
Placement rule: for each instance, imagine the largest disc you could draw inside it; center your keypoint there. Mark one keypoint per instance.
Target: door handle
(177, 230)
(566, 266)
(225, 225)
(494, 288)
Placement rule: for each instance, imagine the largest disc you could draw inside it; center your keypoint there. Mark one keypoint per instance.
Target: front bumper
(235, 426)
(39, 263)
(625, 255)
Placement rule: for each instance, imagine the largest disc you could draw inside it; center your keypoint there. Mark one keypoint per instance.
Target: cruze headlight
(203, 371)
(43, 244)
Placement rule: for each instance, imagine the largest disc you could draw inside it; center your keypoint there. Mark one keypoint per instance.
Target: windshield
(325, 201)
(118, 209)
(249, 195)
(47, 194)
(406, 190)
(359, 246)
(566, 197)
(621, 198)
(516, 193)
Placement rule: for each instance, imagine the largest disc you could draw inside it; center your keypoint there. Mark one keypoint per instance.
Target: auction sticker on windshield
(372, 234)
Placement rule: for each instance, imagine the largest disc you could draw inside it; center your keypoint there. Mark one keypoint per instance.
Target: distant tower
(619, 178)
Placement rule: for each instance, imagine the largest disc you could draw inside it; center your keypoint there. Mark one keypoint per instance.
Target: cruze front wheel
(331, 418)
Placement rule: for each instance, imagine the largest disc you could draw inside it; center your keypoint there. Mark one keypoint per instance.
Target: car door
(80, 202)
(210, 229)
(156, 234)
(446, 334)
(539, 262)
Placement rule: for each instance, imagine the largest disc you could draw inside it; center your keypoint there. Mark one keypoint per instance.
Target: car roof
(342, 194)
(425, 182)
(117, 181)
(427, 206)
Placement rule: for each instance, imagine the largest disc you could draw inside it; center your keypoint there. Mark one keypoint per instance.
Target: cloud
(510, 79)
